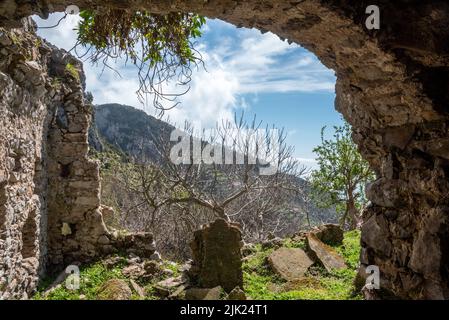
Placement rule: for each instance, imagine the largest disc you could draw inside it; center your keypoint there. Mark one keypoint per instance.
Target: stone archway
(393, 87)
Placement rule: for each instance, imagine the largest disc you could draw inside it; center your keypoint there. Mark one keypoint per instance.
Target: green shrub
(73, 71)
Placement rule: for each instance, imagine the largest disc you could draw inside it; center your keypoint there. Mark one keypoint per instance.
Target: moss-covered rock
(115, 289)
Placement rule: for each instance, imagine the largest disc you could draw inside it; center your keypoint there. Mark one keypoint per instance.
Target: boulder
(170, 283)
(289, 263)
(134, 271)
(114, 289)
(161, 292)
(217, 257)
(111, 262)
(375, 235)
(151, 267)
(165, 287)
(204, 293)
(237, 294)
(331, 234)
(324, 254)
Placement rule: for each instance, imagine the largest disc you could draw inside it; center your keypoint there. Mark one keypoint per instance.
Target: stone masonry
(50, 213)
(46, 180)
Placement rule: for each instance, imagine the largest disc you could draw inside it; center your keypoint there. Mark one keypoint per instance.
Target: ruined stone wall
(393, 87)
(46, 179)
(75, 224)
(24, 102)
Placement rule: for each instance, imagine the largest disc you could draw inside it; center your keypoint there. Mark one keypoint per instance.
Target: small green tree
(341, 177)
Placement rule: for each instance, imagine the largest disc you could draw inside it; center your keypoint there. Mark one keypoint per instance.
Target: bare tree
(237, 171)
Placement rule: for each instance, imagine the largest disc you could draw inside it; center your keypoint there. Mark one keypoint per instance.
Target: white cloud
(63, 35)
(238, 63)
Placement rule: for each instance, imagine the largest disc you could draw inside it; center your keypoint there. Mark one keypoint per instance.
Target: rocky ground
(301, 267)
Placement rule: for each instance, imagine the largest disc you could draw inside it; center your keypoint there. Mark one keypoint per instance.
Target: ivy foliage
(160, 46)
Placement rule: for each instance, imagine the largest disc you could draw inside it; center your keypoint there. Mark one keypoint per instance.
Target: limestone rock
(237, 294)
(217, 256)
(398, 137)
(375, 236)
(114, 289)
(170, 283)
(151, 268)
(161, 291)
(387, 193)
(134, 271)
(111, 262)
(331, 234)
(203, 293)
(325, 254)
(290, 263)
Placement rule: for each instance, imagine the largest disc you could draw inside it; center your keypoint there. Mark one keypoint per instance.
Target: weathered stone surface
(330, 259)
(170, 283)
(115, 289)
(375, 235)
(50, 213)
(203, 293)
(387, 193)
(237, 294)
(111, 262)
(134, 271)
(331, 234)
(170, 287)
(290, 263)
(141, 244)
(217, 256)
(151, 268)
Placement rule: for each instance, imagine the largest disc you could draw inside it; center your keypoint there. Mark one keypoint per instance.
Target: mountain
(128, 130)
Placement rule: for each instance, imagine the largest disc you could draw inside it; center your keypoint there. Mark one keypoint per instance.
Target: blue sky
(246, 71)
